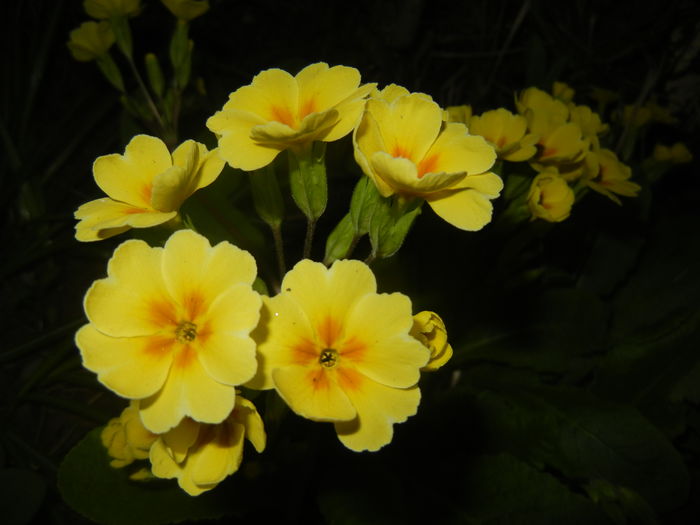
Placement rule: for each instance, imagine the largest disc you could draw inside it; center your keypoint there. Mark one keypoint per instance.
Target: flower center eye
(328, 357)
(186, 332)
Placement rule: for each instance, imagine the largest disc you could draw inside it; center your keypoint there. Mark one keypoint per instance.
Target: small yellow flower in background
(403, 145)
(145, 187)
(187, 9)
(200, 455)
(278, 111)
(660, 113)
(547, 108)
(678, 153)
(636, 116)
(550, 197)
(171, 327)
(126, 439)
(612, 177)
(104, 9)
(507, 132)
(336, 350)
(429, 329)
(461, 114)
(563, 91)
(90, 40)
(589, 122)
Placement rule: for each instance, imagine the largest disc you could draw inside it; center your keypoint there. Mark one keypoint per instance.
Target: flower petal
(378, 408)
(219, 456)
(455, 151)
(402, 175)
(178, 440)
(385, 352)
(133, 367)
(132, 300)
(467, 209)
(128, 177)
(313, 393)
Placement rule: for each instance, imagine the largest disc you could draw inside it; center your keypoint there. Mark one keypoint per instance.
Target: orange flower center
(328, 358)
(186, 332)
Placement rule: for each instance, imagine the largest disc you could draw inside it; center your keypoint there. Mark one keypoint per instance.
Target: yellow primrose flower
(507, 133)
(612, 177)
(403, 145)
(462, 114)
(170, 326)
(429, 329)
(636, 116)
(590, 123)
(201, 455)
(145, 187)
(187, 9)
(563, 91)
(550, 197)
(547, 109)
(677, 154)
(90, 40)
(336, 350)
(104, 9)
(125, 437)
(278, 111)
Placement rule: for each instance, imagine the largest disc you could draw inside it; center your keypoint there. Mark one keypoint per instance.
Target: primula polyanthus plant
(186, 331)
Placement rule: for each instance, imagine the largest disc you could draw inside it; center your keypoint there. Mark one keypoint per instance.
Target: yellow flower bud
(90, 41)
(126, 439)
(187, 9)
(550, 197)
(429, 329)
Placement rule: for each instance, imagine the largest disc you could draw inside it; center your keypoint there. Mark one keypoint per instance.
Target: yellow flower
(550, 197)
(590, 123)
(460, 114)
(103, 9)
(547, 108)
(678, 153)
(563, 91)
(187, 9)
(145, 187)
(202, 455)
(90, 40)
(278, 111)
(429, 329)
(507, 133)
(636, 116)
(125, 437)
(611, 178)
(335, 350)
(404, 146)
(170, 326)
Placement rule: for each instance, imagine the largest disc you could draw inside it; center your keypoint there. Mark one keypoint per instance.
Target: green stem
(149, 100)
(279, 249)
(308, 240)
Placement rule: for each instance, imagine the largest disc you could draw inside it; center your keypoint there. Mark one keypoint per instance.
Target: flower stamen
(186, 332)
(328, 358)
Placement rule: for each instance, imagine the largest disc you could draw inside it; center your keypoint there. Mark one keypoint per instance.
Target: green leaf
(364, 202)
(107, 496)
(307, 179)
(21, 496)
(340, 240)
(502, 489)
(581, 436)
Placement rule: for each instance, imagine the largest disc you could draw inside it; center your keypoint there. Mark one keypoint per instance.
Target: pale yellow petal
(133, 367)
(273, 95)
(456, 151)
(378, 408)
(384, 350)
(218, 457)
(466, 209)
(313, 393)
(349, 114)
(228, 358)
(170, 189)
(321, 87)
(246, 413)
(132, 300)
(178, 440)
(402, 175)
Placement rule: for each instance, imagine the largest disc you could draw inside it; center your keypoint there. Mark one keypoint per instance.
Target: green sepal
(155, 74)
(111, 71)
(307, 178)
(364, 202)
(260, 286)
(122, 34)
(390, 223)
(181, 53)
(340, 241)
(267, 196)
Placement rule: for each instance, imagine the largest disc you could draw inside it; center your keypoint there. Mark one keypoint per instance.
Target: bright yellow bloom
(590, 123)
(507, 133)
(550, 197)
(404, 146)
(145, 187)
(335, 350)
(429, 329)
(125, 437)
(677, 154)
(278, 111)
(104, 9)
(171, 327)
(201, 455)
(549, 110)
(612, 176)
(90, 40)
(187, 9)
(461, 114)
